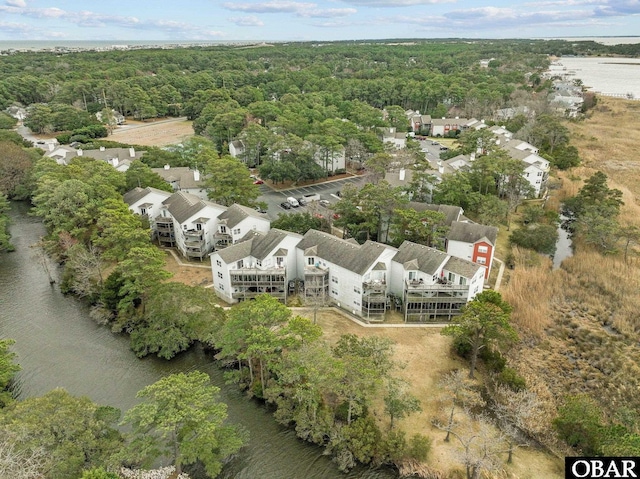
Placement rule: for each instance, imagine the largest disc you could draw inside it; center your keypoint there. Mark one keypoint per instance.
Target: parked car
(435, 143)
(293, 202)
(324, 203)
(443, 148)
(258, 181)
(285, 205)
(302, 202)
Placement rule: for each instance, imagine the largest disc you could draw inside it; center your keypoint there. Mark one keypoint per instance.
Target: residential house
(353, 276)
(234, 223)
(390, 135)
(184, 179)
(188, 223)
(451, 213)
(443, 127)
(119, 158)
(237, 150)
(473, 242)
(536, 170)
(420, 124)
(146, 202)
(258, 263)
(433, 286)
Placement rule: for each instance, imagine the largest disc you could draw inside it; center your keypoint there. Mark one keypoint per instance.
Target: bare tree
(480, 447)
(315, 295)
(513, 411)
(459, 393)
(21, 463)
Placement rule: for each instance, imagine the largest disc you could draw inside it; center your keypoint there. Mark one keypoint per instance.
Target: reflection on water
(58, 345)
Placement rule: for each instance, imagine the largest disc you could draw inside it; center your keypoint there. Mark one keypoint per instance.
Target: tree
(398, 402)
(228, 182)
(141, 176)
(538, 237)
(365, 362)
(5, 236)
(15, 167)
(422, 227)
(175, 316)
(458, 392)
(483, 321)
(480, 448)
(140, 271)
(181, 417)
(74, 432)
(300, 223)
(579, 424)
(8, 369)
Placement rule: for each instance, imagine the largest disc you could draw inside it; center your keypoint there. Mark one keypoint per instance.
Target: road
(326, 190)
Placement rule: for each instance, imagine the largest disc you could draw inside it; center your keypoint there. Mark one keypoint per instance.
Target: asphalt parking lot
(326, 190)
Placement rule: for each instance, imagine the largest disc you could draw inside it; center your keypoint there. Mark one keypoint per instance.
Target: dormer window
(223, 229)
(413, 275)
(311, 261)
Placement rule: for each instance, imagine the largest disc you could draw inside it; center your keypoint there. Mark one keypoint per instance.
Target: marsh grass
(580, 323)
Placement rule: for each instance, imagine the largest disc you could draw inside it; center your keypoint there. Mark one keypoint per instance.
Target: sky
(313, 20)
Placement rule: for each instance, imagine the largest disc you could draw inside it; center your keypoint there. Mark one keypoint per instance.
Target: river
(58, 345)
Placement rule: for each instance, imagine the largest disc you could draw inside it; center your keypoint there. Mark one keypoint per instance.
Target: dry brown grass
(153, 133)
(583, 318)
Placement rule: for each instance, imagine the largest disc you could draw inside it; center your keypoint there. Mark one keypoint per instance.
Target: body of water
(605, 75)
(58, 345)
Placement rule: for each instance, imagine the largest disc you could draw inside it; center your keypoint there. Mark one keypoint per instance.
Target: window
(413, 275)
(219, 275)
(311, 261)
(482, 249)
(219, 263)
(279, 261)
(143, 211)
(334, 292)
(356, 290)
(356, 303)
(463, 280)
(481, 260)
(539, 173)
(451, 277)
(240, 264)
(220, 286)
(199, 226)
(223, 229)
(334, 279)
(236, 231)
(258, 262)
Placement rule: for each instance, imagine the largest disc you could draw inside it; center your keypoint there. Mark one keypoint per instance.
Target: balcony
(418, 289)
(249, 283)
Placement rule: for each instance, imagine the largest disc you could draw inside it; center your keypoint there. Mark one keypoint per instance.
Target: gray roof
(236, 213)
(418, 257)
(462, 267)
(136, 194)
(239, 250)
(182, 175)
(472, 232)
(451, 213)
(183, 206)
(449, 121)
(256, 244)
(353, 257)
(110, 153)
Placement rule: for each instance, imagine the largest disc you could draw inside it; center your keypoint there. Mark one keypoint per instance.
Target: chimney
(114, 162)
(166, 167)
(79, 152)
(440, 167)
(401, 175)
(132, 152)
(196, 175)
(102, 148)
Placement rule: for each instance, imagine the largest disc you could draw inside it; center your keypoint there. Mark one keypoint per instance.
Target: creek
(564, 245)
(58, 345)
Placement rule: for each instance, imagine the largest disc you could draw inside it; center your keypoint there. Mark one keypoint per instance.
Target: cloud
(90, 19)
(16, 3)
(270, 7)
(307, 10)
(618, 8)
(248, 21)
(394, 3)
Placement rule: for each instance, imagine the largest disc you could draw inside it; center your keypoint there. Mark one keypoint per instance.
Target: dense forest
(281, 97)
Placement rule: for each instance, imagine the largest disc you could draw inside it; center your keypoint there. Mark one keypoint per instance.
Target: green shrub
(419, 447)
(510, 378)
